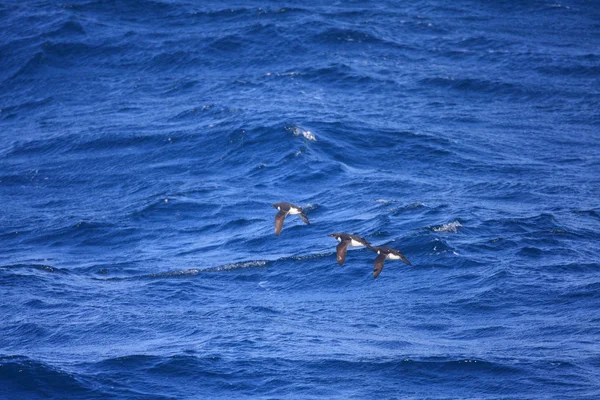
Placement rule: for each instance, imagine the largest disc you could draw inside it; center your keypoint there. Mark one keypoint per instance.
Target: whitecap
(298, 131)
(449, 227)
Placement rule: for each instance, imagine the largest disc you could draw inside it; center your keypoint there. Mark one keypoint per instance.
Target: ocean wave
(15, 275)
(82, 232)
(68, 28)
(18, 373)
(529, 251)
(59, 53)
(497, 244)
(342, 75)
(38, 267)
(27, 67)
(189, 272)
(591, 212)
(221, 15)
(570, 70)
(173, 60)
(338, 35)
(476, 85)
(585, 290)
(532, 223)
(135, 8)
(25, 108)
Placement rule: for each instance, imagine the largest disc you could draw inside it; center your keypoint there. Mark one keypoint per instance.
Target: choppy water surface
(143, 144)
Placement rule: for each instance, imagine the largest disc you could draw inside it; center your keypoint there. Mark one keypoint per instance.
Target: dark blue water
(144, 142)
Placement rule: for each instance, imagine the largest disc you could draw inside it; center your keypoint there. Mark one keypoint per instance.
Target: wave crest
(449, 227)
(299, 131)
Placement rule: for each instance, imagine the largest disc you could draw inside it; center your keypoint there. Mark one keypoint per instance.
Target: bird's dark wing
(341, 251)
(404, 260)
(398, 254)
(303, 216)
(279, 218)
(378, 267)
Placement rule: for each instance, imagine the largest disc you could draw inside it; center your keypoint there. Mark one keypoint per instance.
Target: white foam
(449, 227)
(247, 264)
(297, 131)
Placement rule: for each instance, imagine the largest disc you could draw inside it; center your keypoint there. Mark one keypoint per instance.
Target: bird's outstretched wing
(279, 218)
(404, 260)
(378, 267)
(341, 251)
(303, 216)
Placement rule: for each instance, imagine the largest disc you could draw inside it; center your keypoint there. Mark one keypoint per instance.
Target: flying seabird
(346, 240)
(384, 253)
(285, 209)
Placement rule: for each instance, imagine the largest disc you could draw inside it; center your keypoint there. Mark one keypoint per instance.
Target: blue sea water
(143, 144)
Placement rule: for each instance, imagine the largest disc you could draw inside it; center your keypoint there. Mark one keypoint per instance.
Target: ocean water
(143, 144)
